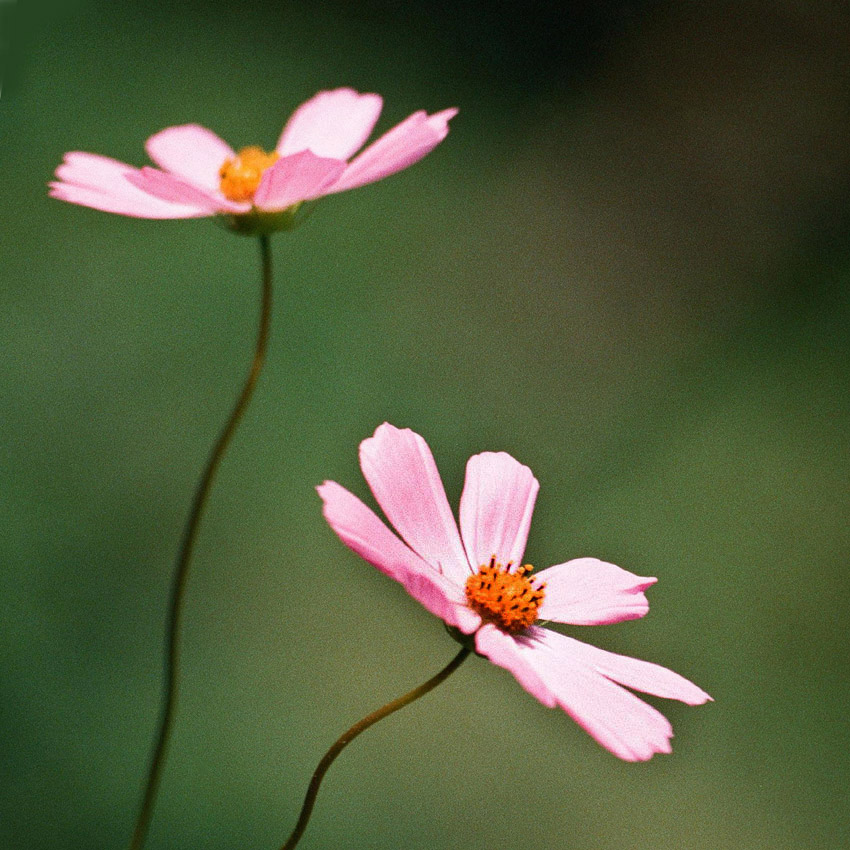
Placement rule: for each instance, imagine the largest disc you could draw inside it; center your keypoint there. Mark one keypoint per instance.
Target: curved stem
(181, 570)
(361, 726)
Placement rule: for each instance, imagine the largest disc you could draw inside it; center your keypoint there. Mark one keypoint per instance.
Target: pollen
(241, 175)
(504, 596)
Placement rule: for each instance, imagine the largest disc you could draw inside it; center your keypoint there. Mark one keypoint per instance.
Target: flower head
(201, 175)
(475, 581)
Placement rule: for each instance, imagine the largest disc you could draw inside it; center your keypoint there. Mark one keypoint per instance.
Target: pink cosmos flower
(201, 175)
(473, 581)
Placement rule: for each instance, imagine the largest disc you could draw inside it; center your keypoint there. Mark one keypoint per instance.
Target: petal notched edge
(581, 680)
(103, 183)
(621, 722)
(333, 124)
(590, 592)
(635, 673)
(399, 148)
(496, 507)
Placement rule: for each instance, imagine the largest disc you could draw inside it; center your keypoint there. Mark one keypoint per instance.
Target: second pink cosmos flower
(200, 175)
(474, 581)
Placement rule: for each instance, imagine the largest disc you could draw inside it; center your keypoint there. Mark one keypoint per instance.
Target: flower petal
(93, 170)
(401, 472)
(299, 177)
(496, 507)
(172, 188)
(362, 531)
(190, 151)
(400, 147)
(506, 652)
(590, 592)
(625, 725)
(101, 183)
(331, 124)
(632, 672)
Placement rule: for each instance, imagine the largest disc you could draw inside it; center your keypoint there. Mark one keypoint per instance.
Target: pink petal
(398, 148)
(632, 672)
(362, 531)
(190, 151)
(101, 183)
(171, 188)
(590, 592)
(616, 718)
(331, 124)
(496, 507)
(506, 652)
(299, 177)
(406, 484)
(94, 171)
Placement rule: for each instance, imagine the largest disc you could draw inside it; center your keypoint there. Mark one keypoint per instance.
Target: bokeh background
(628, 265)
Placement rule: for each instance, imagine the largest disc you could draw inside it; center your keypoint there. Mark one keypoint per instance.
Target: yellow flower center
(241, 175)
(505, 598)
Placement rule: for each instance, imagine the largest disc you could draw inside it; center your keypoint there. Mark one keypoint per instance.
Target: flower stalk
(181, 570)
(361, 726)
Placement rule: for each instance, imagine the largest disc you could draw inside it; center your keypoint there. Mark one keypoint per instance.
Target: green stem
(361, 726)
(181, 570)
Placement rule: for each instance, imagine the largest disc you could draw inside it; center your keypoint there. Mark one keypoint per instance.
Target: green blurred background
(628, 265)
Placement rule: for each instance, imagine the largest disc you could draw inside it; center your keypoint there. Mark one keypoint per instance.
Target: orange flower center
(241, 175)
(505, 598)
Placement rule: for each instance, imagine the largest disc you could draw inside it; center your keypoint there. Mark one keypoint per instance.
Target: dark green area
(628, 265)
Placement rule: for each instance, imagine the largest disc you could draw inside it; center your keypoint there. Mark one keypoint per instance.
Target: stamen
(507, 599)
(241, 175)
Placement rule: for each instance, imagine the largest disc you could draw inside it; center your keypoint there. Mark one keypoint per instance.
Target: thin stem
(361, 726)
(181, 570)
